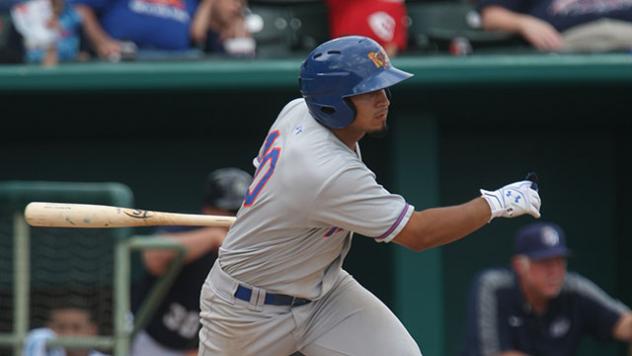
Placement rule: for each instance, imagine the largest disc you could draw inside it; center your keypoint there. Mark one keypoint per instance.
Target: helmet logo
(379, 59)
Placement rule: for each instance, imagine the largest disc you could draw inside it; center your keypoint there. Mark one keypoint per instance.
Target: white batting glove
(513, 200)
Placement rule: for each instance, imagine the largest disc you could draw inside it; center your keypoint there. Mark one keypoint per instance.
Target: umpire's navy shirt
(499, 319)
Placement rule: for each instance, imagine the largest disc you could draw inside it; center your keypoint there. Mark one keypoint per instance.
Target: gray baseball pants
(348, 320)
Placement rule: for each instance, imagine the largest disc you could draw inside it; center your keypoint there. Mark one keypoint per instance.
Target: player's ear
(520, 264)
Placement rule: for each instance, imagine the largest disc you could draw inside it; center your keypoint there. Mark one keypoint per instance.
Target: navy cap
(226, 187)
(541, 240)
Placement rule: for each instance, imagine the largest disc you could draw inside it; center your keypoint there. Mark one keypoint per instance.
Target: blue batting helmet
(340, 68)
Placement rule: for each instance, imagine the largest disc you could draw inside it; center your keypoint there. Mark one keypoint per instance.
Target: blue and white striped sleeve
(485, 335)
(600, 310)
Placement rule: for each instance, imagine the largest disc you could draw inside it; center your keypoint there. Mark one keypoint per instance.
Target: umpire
(173, 329)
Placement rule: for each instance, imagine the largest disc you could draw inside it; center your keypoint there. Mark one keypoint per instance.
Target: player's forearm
(196, 243)
(439, 226)
(497, 18)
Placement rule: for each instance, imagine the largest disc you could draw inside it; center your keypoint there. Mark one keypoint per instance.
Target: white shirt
(35, 344)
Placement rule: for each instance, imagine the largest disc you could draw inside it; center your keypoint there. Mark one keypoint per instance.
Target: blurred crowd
(53, 31)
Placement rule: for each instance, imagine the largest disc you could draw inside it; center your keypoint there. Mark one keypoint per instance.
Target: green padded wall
(459, 125)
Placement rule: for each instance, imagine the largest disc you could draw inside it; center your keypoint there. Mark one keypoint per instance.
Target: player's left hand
(513, 200)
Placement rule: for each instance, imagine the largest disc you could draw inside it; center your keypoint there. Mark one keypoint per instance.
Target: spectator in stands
(71, 318)
(48, 29)
(116, 29)
(539, 308)
(123, 28)
(220, 27)
(173, 329)
(385, 21)
(563, 25)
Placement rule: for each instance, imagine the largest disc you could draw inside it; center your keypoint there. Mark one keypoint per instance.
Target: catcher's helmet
(226, 187)
(340, 68)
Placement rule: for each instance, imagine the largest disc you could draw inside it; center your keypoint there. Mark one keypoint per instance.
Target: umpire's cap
(226, 187)
(541, 240)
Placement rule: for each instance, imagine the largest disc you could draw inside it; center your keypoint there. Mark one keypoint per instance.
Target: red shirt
(385, 21)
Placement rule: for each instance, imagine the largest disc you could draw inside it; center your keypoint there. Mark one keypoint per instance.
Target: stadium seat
(309, 23)
(433, 25)
(270, 27)
(284, 29)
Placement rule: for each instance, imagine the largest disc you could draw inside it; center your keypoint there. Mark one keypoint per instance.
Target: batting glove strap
(513, 200)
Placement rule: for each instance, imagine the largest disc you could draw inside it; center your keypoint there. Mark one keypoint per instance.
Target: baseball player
(278, 285)
(174, 326)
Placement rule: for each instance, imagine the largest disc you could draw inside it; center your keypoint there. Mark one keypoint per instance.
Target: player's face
(547, 276)
(371, 111)
(71, 322)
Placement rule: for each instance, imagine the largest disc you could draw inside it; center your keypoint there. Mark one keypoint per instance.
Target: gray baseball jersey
(291, 235)
(310, 191)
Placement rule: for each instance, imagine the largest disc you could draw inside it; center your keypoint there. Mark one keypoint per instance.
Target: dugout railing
(39, 266)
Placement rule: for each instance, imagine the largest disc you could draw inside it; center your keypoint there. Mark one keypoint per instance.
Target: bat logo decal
(137, 214)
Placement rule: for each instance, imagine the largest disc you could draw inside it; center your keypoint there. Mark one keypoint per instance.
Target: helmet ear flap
(352, 107)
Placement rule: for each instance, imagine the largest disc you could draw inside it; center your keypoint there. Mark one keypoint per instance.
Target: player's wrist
(494, 201)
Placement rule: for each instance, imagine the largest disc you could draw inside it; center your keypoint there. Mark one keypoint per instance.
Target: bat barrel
(102, 216)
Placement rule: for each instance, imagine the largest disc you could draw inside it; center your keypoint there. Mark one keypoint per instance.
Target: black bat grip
(533, 177)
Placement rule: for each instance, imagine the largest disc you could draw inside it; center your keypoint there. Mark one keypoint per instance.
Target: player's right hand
(513, 200)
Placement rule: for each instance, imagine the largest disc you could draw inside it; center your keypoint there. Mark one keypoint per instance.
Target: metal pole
(121, 299)
(21, 282)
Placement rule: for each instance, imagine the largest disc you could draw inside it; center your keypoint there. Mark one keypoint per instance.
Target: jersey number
(267, 162)
(179, 319)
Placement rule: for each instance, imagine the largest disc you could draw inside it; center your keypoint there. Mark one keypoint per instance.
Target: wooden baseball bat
(103, 216)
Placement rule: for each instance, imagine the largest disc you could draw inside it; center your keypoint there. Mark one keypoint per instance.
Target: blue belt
(244, 293)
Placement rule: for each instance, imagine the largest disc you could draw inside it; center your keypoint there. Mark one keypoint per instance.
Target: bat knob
(533, 177)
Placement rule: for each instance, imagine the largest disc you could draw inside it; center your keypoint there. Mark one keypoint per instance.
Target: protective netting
(68, 268)
(72, 265)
